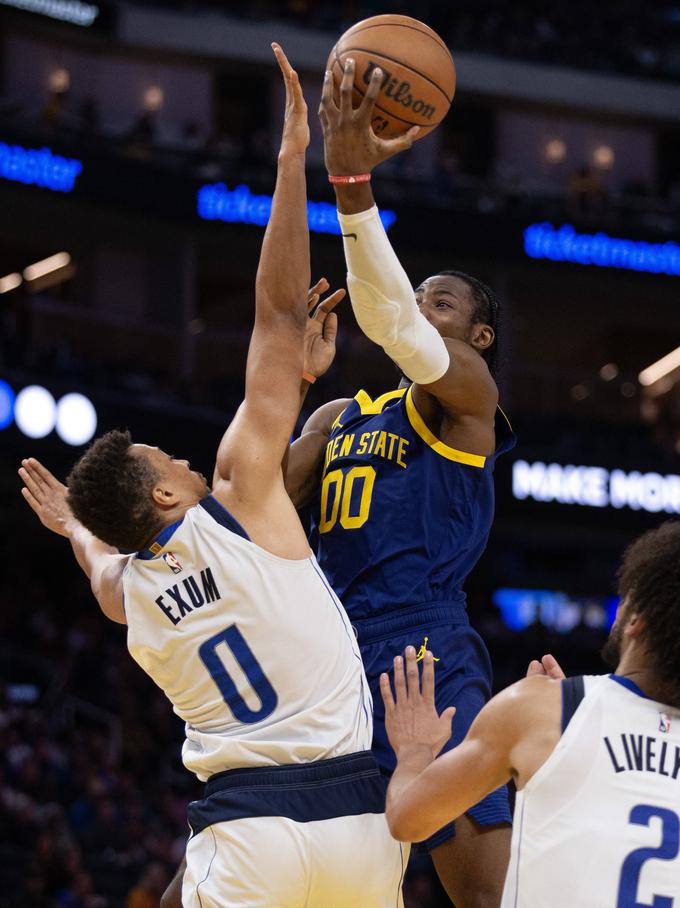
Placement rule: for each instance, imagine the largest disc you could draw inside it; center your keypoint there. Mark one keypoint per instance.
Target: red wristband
(307, 376)
(357, 178)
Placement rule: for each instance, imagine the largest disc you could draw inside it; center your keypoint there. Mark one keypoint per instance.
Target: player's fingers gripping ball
(418, 73)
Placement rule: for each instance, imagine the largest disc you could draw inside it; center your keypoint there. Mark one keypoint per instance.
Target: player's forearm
(404, 816)
(370, 257)
(384, 303)
(304, 388)
(91, 553)
(354, 197)
(283, 275)
(425, 794)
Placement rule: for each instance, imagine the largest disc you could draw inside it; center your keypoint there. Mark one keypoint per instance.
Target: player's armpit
(304, 464)
(467, 388)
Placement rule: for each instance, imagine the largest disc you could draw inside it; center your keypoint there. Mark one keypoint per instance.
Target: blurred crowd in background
(152, 315)
(631, 37)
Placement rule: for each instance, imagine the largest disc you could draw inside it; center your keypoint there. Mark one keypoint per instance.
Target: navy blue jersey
(401, 518)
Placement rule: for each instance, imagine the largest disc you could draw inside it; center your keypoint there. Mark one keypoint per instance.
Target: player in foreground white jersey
(596, 760)
(229, 613)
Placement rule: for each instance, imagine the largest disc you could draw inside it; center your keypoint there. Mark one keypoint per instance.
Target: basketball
(419, 76)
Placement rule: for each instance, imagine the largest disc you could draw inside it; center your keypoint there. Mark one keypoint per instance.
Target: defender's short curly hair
(650, 577)
(109, 492)
(486, 309)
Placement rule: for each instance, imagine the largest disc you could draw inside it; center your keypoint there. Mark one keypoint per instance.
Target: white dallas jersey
(255, 652)
(598, 826)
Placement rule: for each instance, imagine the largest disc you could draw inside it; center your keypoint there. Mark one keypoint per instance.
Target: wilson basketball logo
(399, 91)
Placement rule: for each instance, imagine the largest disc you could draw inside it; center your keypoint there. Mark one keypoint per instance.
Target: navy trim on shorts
(219, 513)
(304, 792)
(573, 691)
(394, 624)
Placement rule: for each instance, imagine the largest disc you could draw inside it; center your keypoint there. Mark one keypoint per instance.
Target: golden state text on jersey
(401, 518)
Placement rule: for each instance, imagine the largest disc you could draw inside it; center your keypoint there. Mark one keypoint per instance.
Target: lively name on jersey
(182, 598)
(643, 753)
(378, 443)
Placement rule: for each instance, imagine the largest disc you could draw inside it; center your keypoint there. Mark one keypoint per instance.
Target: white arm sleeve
(383, 300)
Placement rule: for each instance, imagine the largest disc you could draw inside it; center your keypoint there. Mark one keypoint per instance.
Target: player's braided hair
(650, 576)
(109, 493)
(486, 309)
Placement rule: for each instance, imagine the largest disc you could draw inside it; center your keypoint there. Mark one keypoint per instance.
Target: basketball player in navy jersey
(596, 760)
(213, 584)
(404, 484)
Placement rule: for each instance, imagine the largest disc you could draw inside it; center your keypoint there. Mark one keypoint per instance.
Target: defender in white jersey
(229, 613)
(596, 760)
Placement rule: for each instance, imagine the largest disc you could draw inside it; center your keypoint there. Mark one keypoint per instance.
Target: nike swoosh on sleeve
(350, 235)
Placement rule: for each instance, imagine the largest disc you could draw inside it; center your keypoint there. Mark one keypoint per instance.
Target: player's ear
(634, 626)
(483, 336)
(164, 496)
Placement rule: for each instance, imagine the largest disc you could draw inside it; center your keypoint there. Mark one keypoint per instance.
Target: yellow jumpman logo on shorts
(420, 655)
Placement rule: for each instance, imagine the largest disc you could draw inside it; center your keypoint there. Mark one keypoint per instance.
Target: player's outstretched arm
(382, 297)
(102, 564)
(511, 737)
(251, 451)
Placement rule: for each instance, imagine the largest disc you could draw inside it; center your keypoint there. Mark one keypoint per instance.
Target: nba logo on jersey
(664, 722)
(173, 562)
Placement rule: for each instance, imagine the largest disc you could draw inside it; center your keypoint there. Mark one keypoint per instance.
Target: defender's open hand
(46, 495)
(295, 137)
(322, 328)
(350, 145)
(412, 719)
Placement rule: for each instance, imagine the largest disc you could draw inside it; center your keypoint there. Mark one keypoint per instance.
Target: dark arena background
(137, 156)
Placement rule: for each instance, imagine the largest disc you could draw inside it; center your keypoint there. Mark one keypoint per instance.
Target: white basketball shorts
(305, 836)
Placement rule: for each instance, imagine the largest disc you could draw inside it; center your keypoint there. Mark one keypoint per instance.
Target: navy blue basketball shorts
(462, 679)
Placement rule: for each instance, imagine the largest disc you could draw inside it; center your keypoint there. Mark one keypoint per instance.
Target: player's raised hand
(547, 666)
(46, 496)
(411, 719)
(295, 137)
(322, 328)
(350, 145)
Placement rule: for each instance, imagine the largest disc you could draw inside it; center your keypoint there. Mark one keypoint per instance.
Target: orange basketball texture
(419, 78)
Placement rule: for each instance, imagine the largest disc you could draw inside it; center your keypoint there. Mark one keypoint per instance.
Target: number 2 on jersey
(666, 851)
(252, 669)
(336, 498)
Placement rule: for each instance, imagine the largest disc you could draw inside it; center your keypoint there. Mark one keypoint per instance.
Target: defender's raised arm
(251, 452)
(101, 563)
